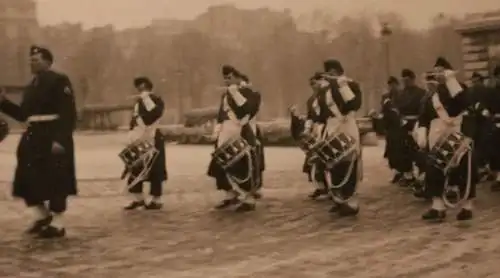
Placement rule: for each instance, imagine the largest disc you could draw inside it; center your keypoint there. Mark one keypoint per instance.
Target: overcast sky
(127, 13)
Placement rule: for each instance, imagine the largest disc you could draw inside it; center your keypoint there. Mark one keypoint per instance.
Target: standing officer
(45, 157)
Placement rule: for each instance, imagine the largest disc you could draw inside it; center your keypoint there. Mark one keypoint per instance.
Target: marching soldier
(148, 110)
(312, 124)
(408, 105)
(475, 124)
(237, 105)
(442, 114)
(492, 111)
(392, 123)
(45, 173)
(341, 101)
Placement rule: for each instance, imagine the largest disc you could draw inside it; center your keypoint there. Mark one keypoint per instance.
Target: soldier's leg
(230, 195)
(318, 179)
(465, 176)
(156, 191)
(57, 206)
(136, 195)
(434, 180)
(40, 215)
(345, 174)
(246, 186)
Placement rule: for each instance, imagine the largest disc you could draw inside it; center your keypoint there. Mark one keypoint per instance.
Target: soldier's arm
(12, 110)
(66, 109)
(455, 101)
(154, 109)
(354, 104)
(244, 101)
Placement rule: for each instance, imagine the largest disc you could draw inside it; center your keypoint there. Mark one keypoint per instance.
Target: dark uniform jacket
(41, 174)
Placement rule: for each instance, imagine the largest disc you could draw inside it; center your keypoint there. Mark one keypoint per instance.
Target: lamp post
(386, 33)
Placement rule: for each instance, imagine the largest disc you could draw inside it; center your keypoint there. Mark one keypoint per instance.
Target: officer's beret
(228, 69)
(333, 64)
(496, 71)
(44, 52)
(408, 73)
(392, 80)
(477, 75)
(443, 63)
(143, 81)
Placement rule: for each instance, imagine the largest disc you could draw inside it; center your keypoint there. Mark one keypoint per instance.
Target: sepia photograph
(249, 138)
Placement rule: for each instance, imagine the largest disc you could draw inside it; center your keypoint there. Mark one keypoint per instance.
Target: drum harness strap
(443, 115)
(336, 112)
(234, 180)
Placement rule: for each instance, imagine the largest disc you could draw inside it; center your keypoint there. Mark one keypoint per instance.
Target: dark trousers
(338, 174)
(435, 178)
(156, 188)
(493, 151)
(57, 204)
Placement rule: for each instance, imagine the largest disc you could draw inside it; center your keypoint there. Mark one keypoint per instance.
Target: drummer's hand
(57, 148)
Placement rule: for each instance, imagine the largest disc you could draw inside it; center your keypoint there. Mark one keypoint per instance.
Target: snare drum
(335, 148)
(307, 141)
(449, 150)
(137, 152)
(231, 152)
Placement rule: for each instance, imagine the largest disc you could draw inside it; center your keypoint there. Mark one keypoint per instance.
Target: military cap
(443, 63)
(333, 64)
(44, 52)
(143, 81)
(407, 73)
(228, 69)
(392, 80)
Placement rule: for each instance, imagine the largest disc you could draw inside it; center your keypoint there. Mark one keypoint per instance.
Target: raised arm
(153, 107)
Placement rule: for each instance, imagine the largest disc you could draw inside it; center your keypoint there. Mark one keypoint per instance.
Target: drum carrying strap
(440, 127)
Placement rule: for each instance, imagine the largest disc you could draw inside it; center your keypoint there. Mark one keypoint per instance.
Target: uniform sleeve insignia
(67, 90)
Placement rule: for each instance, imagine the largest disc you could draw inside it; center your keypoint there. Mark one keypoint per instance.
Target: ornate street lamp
(385, 33)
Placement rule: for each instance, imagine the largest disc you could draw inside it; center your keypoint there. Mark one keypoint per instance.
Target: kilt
(41, 175)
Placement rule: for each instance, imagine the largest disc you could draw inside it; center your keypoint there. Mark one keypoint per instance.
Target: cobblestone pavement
(288, 236)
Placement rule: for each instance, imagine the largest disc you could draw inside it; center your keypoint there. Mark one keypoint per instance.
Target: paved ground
(287, 236)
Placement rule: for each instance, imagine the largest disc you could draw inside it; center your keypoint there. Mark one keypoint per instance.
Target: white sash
(443, 123)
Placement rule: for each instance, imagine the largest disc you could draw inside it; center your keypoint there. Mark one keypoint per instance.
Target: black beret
(477, 75)
(228, 69)
(407, 73)
(333, 64)
(496, 71)
(392, 80)
(143, 81)
(443, 63)
(44, 52)
(245, 78)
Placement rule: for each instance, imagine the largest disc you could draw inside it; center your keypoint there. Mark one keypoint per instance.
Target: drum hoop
(234, 159)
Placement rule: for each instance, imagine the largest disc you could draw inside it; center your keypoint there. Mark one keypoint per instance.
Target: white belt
(411, 117)
(42, 118)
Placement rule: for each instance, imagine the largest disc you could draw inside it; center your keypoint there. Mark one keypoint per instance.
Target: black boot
(135, 205)
(434, 215)
(345, 210)
(51, 232)
(227, 203)
(397, 177)
(317, 193)
(464, 214)
(38, 225)
(153, 206)
(245, 207)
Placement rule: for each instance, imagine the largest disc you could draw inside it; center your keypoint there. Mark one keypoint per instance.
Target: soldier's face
(408, 81)
(37, 63)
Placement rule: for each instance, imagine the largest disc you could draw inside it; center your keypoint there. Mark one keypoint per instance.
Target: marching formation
(435, 137)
